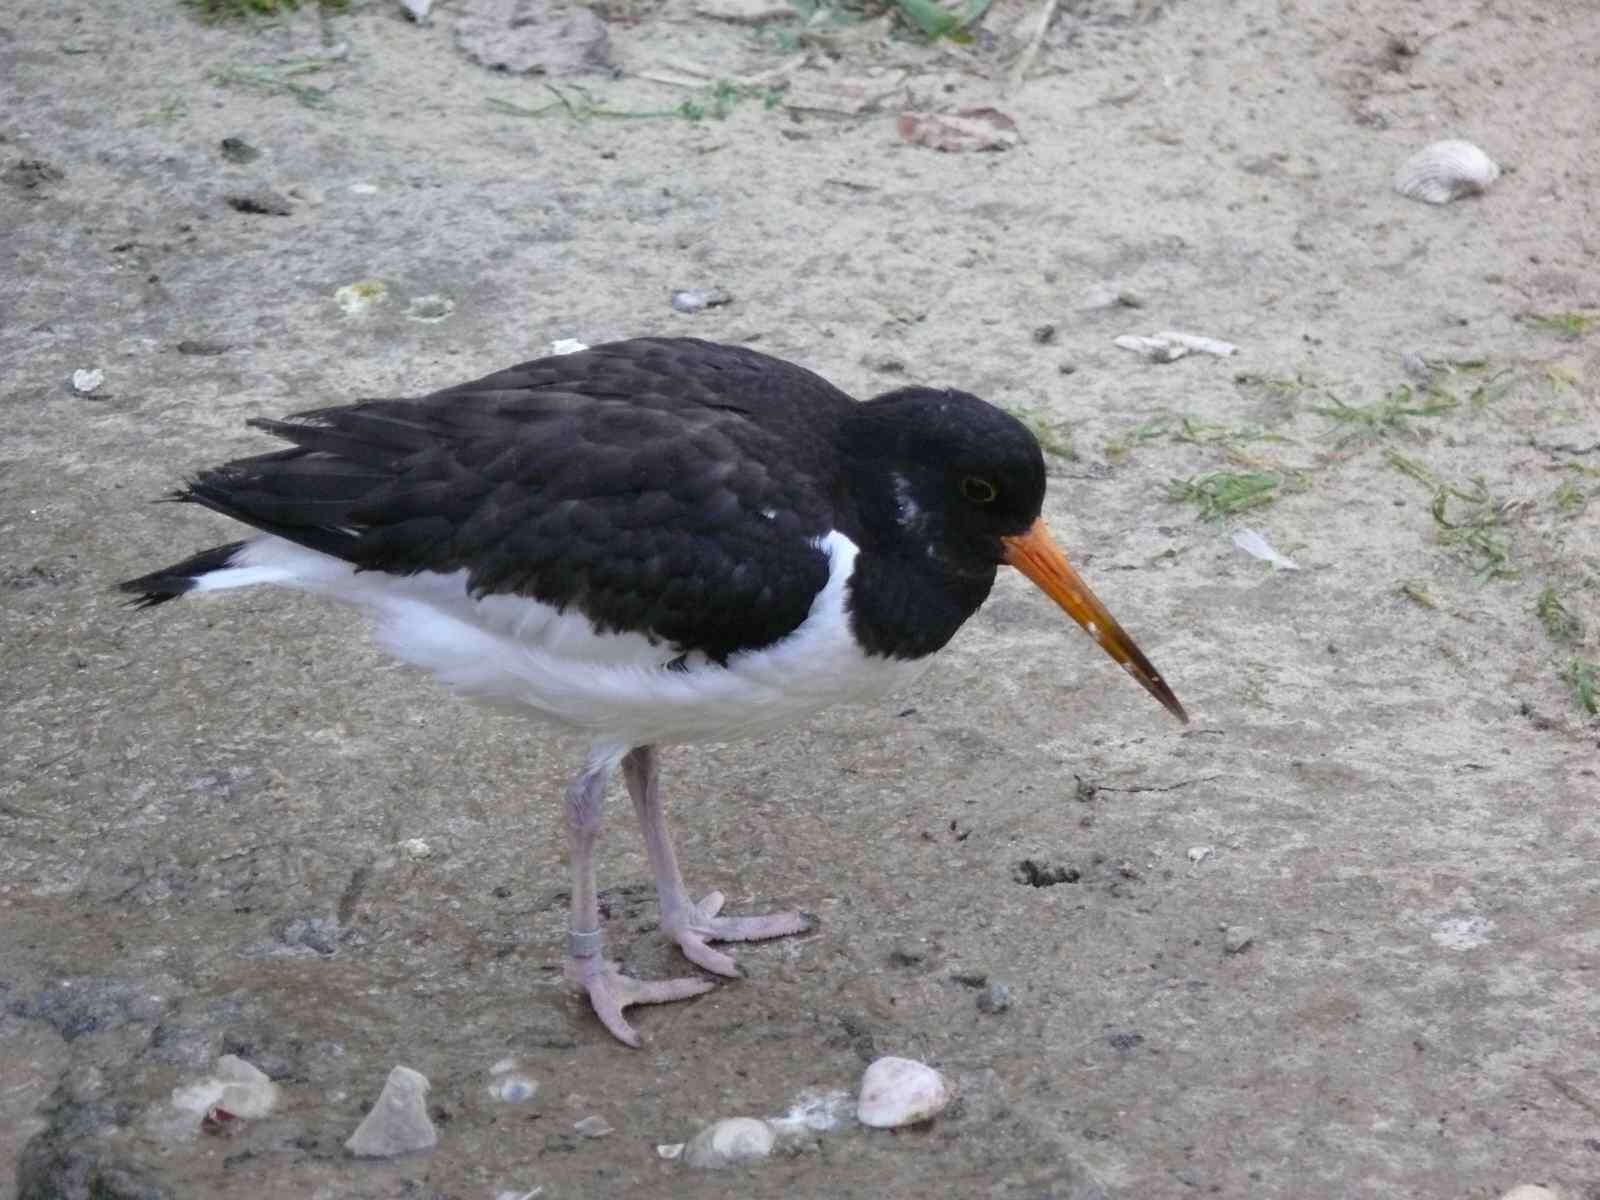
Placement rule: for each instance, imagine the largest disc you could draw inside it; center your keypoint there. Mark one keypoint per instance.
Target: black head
(943, 474)
(947, 481)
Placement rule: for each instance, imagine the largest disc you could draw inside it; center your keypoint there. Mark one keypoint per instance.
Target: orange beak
(1037, 556)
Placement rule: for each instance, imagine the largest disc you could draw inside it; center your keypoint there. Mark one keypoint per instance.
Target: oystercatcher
(653, 541)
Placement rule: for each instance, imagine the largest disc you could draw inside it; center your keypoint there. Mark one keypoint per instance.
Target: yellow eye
(979, 491)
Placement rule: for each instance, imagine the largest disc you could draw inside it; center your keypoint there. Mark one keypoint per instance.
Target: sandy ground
(1336, 938)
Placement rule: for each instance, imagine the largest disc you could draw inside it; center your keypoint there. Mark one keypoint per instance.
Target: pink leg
(690, 924)
(610, 991)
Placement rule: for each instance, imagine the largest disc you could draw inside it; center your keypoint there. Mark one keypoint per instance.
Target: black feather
(171, 582)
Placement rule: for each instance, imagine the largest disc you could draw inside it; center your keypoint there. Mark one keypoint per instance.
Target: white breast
(617, 688)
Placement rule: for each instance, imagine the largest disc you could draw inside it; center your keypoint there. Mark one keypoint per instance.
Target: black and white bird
(653, 541)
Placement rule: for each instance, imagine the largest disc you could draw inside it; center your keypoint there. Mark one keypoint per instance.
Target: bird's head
(967, 484)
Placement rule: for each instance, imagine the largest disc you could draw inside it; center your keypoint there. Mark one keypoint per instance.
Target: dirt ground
(1339, 937)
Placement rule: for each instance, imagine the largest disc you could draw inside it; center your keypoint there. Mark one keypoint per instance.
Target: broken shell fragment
(1445, 171)
(729, 1141)
(398, 1123)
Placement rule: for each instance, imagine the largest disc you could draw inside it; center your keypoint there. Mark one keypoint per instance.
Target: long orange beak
(1037, 556)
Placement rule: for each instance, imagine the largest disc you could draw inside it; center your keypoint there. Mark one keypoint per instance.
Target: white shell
(1445, 171)
(734, 1140)
(398, 1122)
(899, 1091)
(236, 1086)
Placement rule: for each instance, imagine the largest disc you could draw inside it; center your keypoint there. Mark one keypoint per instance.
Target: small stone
(202, 349)
(670, 1151)
(1236, 939)
(996, 998)
(1043, 335)
(31, 174)
(417, 10)
(262, 202)
(398, 1123)
(906, 956)
(729, 1141)
(84, 382)
(900, 1091)
(416, 849)
(237, 150)
(363, 189)
(593, 1127)
(1198, 854)
(1531, 1191)
(692, 300)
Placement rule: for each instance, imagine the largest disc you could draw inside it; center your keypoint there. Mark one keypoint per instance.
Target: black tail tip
(171, 582)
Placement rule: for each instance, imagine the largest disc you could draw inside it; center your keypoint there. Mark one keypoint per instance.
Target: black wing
(668, 487)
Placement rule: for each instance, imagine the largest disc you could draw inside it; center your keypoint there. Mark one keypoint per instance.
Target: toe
(610, 1014)
(696, 951)
(757, 929)
(610, 991)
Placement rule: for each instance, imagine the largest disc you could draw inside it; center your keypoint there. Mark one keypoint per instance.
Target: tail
(205, 571)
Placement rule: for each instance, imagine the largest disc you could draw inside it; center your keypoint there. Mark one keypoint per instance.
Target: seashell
(900, 1091)
(1445, 171)
(729, 1141)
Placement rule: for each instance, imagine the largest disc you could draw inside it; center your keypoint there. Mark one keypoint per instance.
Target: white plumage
(617, 688)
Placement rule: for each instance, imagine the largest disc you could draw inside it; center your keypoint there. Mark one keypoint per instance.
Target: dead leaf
(967, 129)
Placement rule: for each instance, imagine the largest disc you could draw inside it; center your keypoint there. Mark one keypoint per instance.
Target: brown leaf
(968, 129)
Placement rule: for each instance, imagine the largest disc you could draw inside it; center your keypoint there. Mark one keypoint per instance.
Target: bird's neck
(902, 608)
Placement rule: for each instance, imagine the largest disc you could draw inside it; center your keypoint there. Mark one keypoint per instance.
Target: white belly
(515, 652)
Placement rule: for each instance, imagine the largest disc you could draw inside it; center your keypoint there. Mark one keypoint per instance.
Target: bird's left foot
(693, 925)
(610, 991)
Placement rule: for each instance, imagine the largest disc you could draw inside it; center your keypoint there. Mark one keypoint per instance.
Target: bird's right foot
(610, 991)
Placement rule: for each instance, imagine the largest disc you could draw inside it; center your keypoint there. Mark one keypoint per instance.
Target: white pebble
(86, 381)
(899, 1091)
(1531, 1191)
(567, 346)
(398, 1122)
(416, 849)
(1198, 854)
(730, 1141)
(669, 1150)
(593, 1127)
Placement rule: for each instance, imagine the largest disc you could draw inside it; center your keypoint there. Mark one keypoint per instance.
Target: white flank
(516, 652)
